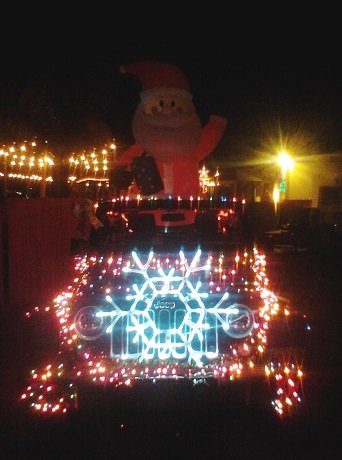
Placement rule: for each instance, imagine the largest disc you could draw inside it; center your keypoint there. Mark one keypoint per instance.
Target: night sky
(268, 87)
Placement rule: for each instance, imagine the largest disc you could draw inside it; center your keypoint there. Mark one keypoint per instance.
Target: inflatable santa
(167, 132)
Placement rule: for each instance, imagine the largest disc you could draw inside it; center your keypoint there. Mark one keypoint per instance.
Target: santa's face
(166, 124)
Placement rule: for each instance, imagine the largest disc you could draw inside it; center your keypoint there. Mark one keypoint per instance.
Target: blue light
(170, 315)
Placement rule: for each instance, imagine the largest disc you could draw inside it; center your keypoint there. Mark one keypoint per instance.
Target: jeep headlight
(89, 325)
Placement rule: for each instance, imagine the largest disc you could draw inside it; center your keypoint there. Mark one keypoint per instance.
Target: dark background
(275, 76)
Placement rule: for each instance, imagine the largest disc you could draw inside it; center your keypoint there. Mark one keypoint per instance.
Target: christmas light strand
(130, 292)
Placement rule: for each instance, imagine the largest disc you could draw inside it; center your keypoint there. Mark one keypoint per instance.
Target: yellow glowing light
(286, 163)
(276, 195)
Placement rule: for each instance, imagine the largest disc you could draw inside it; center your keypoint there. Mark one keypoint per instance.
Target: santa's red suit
(166, 127)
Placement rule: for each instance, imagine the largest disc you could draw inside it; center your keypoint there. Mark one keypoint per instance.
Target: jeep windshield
(165, 224)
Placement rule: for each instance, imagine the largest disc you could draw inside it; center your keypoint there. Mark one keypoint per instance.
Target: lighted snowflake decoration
(170, 315)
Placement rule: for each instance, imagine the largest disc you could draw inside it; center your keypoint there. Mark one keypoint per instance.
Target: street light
(286, 164)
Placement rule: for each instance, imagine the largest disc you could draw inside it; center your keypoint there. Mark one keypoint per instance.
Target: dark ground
(205, 423)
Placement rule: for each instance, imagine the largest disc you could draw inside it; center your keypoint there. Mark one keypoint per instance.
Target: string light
(27, 161)
(134, 290)
(208, 183)
(92, 164)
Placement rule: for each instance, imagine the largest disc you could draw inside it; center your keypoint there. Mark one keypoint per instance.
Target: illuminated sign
(170, 315)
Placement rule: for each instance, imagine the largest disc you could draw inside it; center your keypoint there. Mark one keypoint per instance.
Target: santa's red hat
(153, 74)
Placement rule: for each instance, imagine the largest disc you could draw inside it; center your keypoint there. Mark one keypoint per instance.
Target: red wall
(2, 293)
(39, 258)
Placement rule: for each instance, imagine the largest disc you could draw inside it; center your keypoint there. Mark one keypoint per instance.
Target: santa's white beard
(167, 137)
